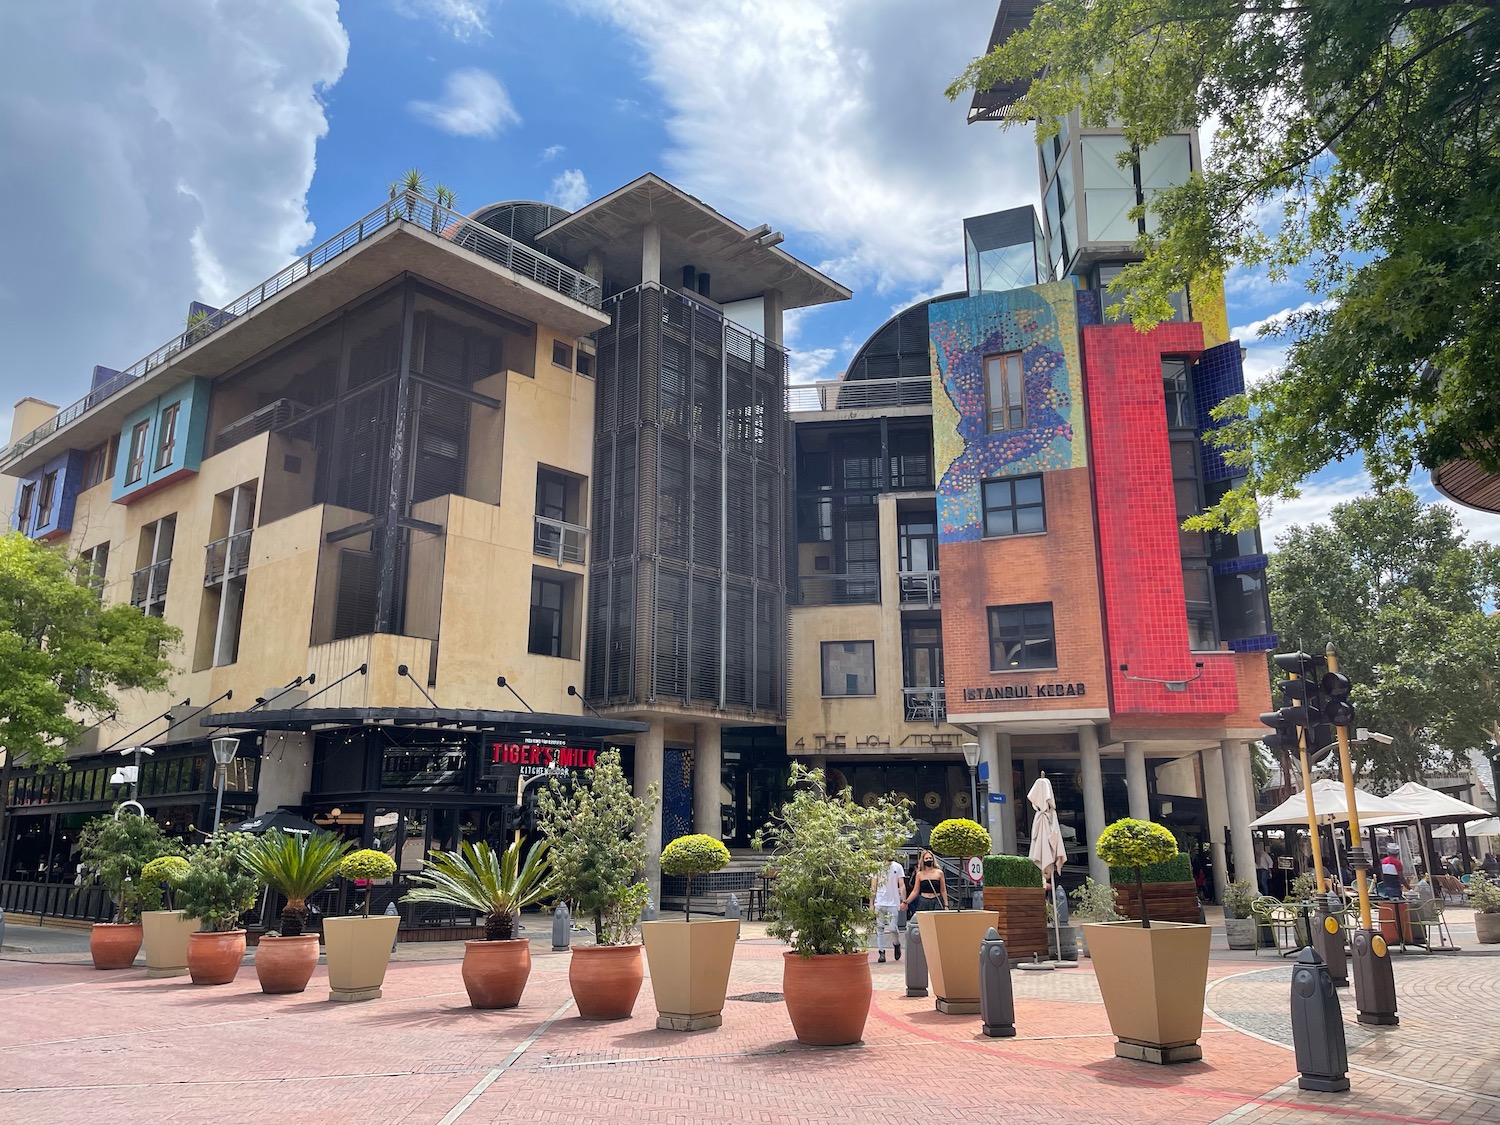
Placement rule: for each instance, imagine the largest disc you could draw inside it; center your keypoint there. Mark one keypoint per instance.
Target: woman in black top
(928, 888)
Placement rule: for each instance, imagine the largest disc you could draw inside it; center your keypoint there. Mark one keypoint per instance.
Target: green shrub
(218, 886)
(1303, 887)
(1095, 902)
(158, 878)
(1484, 895)
(367, 864)
(498, 885)
(959, 837)
(1137, 845)
(116, 849)
(693, 855)
(1238, 897)
(1011, 871)
(1178, 869)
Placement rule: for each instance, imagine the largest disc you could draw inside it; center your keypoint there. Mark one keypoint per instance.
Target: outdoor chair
(1281, 919)
(1428, 917)
(1452, 890)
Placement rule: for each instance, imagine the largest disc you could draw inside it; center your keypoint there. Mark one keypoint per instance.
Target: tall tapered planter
(951, 940)
(166, 941)
(690, 964)
(358, 951)
(1153, 984)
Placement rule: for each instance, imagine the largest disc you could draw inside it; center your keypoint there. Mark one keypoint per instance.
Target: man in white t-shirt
(888, 889)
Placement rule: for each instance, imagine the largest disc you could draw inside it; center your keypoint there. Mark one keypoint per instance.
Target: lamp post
(225, 749)
(134, 776)
(971, 756)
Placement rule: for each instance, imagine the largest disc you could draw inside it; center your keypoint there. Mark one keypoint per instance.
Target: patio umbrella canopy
(1421, 803)
(283, 819)
(1330, 806)
(1487, 827)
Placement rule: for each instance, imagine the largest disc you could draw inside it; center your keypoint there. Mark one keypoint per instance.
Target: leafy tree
(117, 849)
(65, 655)
(1404, 598)
(1356, 141)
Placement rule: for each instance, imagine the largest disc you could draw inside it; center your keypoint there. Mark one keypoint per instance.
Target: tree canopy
(64, 653)
(1407, 602)
(1353, 141)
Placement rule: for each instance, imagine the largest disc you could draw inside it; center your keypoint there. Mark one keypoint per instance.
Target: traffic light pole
(1303, 737)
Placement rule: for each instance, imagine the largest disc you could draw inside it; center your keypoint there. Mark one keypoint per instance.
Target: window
(1021, 637)
(586, 363)
(23, 510)
(848, 668)
(137, 466)
(1178, 392)
(558, 508)
(1105, 277)
(93, 564)
(1014, 506)
(1004, 392)
(166, 443)
(1197, 586)
(545, 637)
(562, 354)
(44, 499)
(100, 465)
(148, 583)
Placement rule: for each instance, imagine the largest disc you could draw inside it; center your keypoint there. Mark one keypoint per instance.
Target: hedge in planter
(1013, 889)
(1168, 888)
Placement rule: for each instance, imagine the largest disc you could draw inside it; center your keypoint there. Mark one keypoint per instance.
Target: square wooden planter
(1169, 902)
(1023, 919)
(951, 940)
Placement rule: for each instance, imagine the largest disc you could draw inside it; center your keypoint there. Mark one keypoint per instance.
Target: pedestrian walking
(886, 889)
(929, 890)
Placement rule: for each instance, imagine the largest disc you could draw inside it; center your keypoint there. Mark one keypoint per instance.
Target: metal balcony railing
(919, 588)
(838, 394)
(226, 558)
(565, 542)
(925, 704)
(149, 584)
(406, 208)
(839, 589)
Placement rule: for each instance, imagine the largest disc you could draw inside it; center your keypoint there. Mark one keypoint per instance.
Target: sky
(174, 157)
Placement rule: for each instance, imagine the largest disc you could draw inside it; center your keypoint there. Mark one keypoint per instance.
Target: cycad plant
(297, 865)
(499, 886)
(413, 184)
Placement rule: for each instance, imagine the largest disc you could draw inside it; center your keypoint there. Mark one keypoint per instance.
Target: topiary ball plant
(693, 855)
(960, 838)
(367, 865)
(1136, 844)
(158, 878)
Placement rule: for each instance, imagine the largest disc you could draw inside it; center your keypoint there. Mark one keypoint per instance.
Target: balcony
(226, 558)
(838, 589)
(925, 704)
(148, 586)
(858, 394)
(563, 542)
(919, 589)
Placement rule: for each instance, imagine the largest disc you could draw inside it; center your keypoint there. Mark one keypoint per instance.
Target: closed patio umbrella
(1047, 848)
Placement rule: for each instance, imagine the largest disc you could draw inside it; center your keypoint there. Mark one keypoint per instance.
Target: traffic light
(1337, 709)
(1284, 732)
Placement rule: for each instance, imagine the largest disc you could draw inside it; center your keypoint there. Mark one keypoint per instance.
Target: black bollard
(916, 960)
(997, 1003)
(732, 907)
(562, 928)
(1318, 1027)
(1328, 940)
(1374, 982)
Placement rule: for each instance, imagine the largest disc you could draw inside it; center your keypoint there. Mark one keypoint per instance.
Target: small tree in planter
(116, 849)
(159, 879)
(1484, 896)
(1239, 924)
(826, 848)
(217, 889)
(364, 868)
(951, 939)
(1136, 844)
(690, 961)
(359, 948)
(296, 865)
(597, 829)
(960, 839)
(693, 855)
(164, 928)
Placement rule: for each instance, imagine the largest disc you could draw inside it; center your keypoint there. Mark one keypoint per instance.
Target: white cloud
(463, 19)
(1317, 500)
(827, 117)
(569, 189)
(474, 104)
(552, 152)
(168, 159)
(1264, 353)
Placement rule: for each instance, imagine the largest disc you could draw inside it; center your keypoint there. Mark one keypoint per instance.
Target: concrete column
(1093, 799)
(650, 253)
(774, 306)
(593, 265)
(1241, 806)
(706, 759)
(1007, 810)
(650, 753)
(1135, 781)
(1216, 798)
(989, 756)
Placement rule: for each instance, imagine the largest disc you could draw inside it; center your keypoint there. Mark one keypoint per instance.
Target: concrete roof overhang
(692, 233)
(401, 247)
(519, 722)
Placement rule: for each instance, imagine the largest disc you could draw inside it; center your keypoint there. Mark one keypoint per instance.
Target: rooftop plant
(298, 865)
(1136, 844)
(365, 866)
(693, 855)
(499, 886)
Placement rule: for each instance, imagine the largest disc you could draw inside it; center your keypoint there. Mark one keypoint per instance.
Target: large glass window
(848, 668)
(1178, 393)
(1109, 191)
(23, 507)
(1165, 164)
(137, 465)
(1005, 395)
(1197, 588)
(45, 497)
(1021, 637)
(545, 637)
(1014, 506)
(166, 442)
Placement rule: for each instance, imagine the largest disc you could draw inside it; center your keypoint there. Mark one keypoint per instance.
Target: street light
(132, 774)
(971, 756)
(225, 749)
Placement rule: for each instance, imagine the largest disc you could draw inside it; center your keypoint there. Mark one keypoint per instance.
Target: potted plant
(1152, 977)
(1240, 926)
(1013, 890)
(951, 938)
(597, 829)
(499, 887)
(1170, 893)
(116, 848)
(1484, 896)
(296, 865)
(216, 889)
(827, 846)
(689, 960)
(358, 948)
(1094, 902)
(164, 929)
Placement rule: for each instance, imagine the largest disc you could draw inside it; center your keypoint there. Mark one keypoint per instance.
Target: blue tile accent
(69, 469)
(1241, 565)
(1089, 307)
(1264, 643)
(1218, 374)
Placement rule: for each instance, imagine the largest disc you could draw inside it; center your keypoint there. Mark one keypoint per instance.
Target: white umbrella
(1329, 806)
(1421, 803)
(1047, 848)
(1488, 827)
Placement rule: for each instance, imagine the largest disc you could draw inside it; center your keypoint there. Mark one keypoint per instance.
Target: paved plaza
(79, 1045)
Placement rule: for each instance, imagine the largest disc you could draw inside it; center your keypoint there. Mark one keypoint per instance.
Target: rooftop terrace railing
(850, 394)
(409, 208)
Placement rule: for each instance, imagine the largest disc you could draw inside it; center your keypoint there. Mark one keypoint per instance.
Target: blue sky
(170, 158)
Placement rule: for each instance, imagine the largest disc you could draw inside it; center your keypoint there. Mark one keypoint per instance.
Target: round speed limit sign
(976, 868)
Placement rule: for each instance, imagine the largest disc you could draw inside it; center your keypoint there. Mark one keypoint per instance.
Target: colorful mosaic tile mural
(1039, 321)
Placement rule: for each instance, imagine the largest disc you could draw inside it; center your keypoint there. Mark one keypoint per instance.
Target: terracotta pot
(951, 940)
(114, 946)
(690, 964)
(495, 972)
(828, 995)
(1153, 982)
(358, 951)
(286, 964)
(605, 980)
(166, 941)
(214, 958)
(1487, 928)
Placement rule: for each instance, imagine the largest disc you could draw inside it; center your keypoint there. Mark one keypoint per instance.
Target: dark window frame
(556, 632)
(46, 496)
(559, 348)
(166, 435)
(24, 507)
(135, 468)
(1023, 618)
(1007, 407)
(1013, 507)
(868, 645)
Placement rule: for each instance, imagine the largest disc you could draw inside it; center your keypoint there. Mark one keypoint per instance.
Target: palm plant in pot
(217, 888)
(1152, 977)
(296, 865)
(826, 846)
(596, 827)
(164, 928)
(116, 849)
(499, 886)
(359, 947)
(689, 960)
(951, 938)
